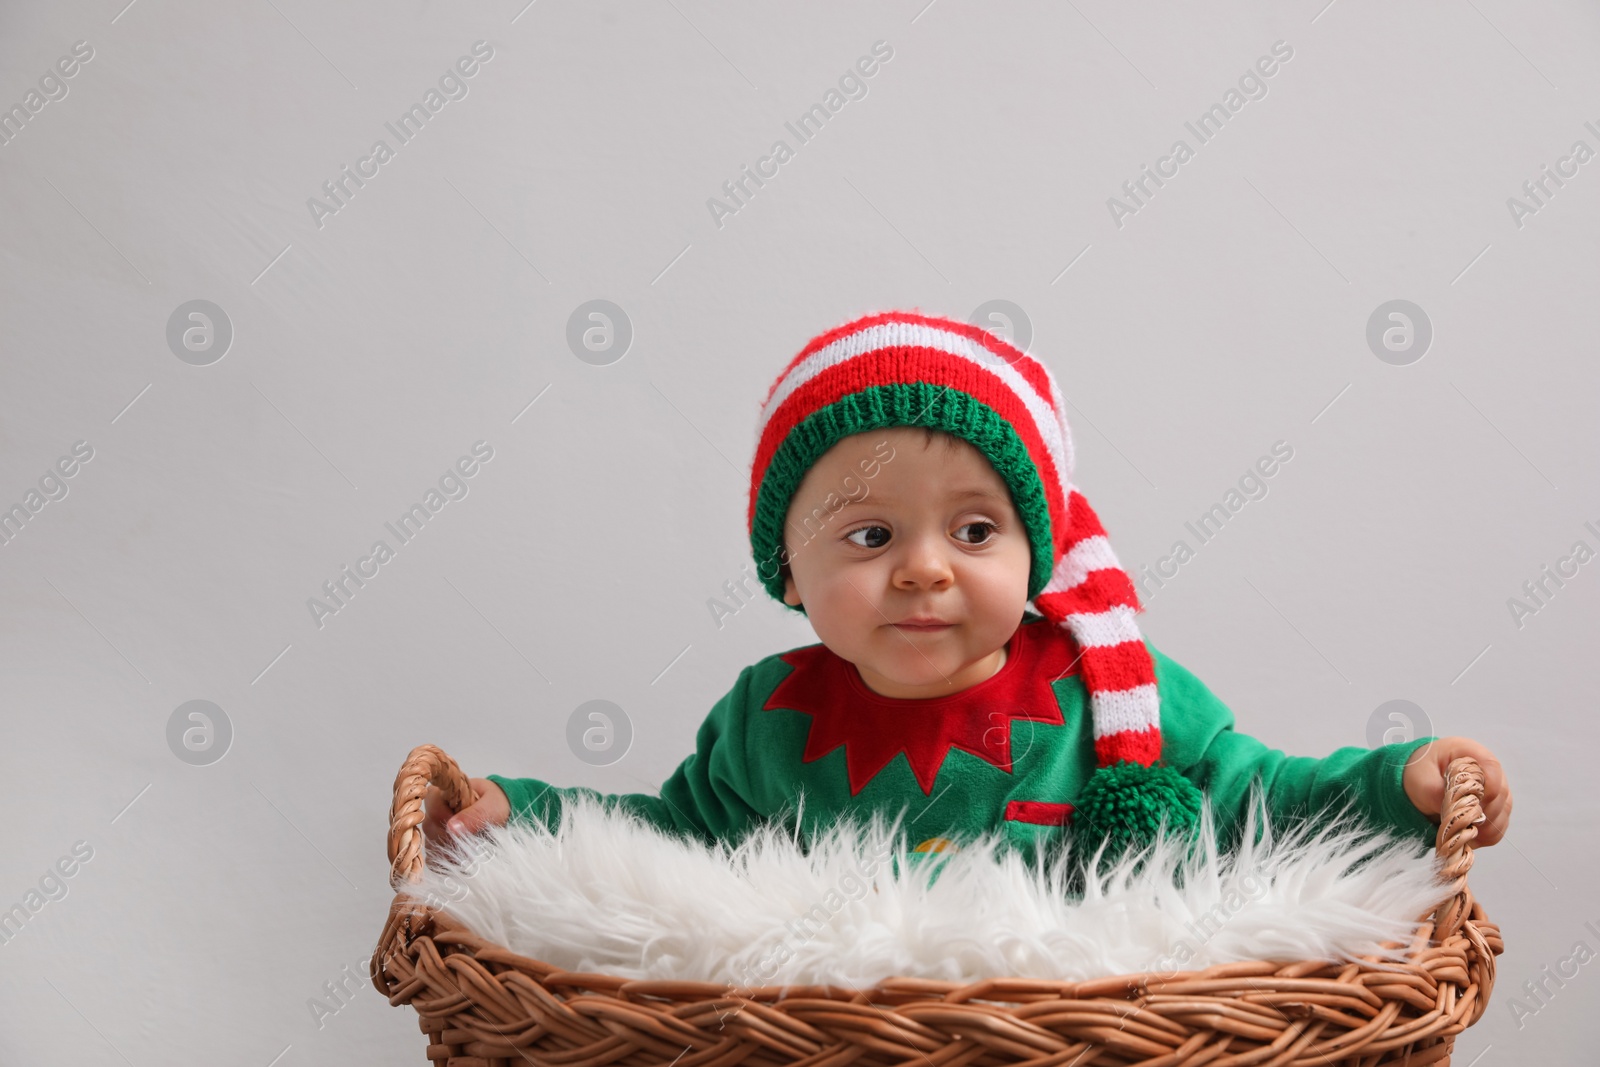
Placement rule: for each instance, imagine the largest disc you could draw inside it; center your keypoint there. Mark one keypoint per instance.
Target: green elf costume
(1086, 728)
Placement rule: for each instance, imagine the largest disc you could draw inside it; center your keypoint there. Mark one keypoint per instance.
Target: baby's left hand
(1424, 783)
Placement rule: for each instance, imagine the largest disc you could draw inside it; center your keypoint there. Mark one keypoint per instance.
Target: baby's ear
(791, 595)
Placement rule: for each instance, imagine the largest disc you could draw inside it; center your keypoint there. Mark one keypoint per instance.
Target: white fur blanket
(607, 892)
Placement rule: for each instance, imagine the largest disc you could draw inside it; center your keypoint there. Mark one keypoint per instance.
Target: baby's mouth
(922, 624)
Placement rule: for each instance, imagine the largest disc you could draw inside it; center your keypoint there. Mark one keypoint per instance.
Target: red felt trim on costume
(1038, 811)
(874, 729)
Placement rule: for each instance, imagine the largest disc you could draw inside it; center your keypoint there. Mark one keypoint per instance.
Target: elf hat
(907, 369)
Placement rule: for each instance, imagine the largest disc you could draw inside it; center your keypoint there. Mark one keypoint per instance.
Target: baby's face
(925, 529)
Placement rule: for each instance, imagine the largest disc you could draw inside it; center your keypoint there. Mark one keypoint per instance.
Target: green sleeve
(1199, 741)
(706, 797)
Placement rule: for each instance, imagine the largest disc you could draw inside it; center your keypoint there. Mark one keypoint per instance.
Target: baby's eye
(868, 529)
(989, 528)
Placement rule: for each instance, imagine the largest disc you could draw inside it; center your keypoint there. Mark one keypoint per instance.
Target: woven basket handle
(426, 765)
(1458, 828)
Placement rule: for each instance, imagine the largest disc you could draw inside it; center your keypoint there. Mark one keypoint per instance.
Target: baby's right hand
(440, 824)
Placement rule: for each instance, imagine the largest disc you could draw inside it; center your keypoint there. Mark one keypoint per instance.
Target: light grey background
(369, 353)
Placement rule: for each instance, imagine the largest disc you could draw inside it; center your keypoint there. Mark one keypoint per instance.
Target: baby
(912, 495)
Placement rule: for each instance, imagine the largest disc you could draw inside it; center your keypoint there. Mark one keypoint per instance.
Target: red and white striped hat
(907, 369)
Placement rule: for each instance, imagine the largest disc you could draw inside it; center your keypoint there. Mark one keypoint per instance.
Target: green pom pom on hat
(1125, 804)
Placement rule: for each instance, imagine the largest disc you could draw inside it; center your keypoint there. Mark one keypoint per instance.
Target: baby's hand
(1424, 783)
(440, 824)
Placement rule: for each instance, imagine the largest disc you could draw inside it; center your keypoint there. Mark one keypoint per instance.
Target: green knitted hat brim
(904, 404)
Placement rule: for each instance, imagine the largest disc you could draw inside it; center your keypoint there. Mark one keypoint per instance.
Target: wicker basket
(481, 1004)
